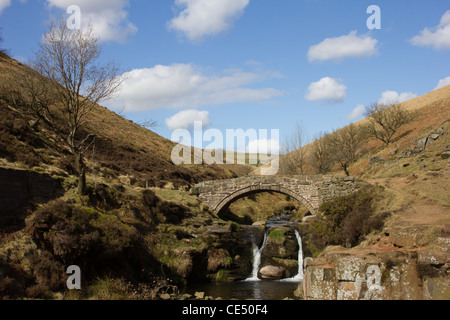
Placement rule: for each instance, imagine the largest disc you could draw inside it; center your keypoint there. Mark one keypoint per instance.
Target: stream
(253, 287)
(248, 290)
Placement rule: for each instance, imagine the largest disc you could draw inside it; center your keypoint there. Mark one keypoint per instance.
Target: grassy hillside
(433, 110)
(122, 150)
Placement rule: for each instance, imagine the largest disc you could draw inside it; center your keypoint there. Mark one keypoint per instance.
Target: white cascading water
(299, 276)
(256, 258)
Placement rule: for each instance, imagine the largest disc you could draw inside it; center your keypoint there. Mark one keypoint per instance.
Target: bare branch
(293, 161)
(321, 156)
(346, 144)
(74, 84)
(386, 120)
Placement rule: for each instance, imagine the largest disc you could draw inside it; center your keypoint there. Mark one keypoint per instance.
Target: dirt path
(415, 209)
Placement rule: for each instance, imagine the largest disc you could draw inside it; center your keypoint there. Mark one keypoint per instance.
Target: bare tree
(75, 84)
(321, 157)
(293, 161)
(346, 144)
(386, 119)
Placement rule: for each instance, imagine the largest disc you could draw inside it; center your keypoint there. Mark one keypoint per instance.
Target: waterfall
(256, 258)
(299, 276)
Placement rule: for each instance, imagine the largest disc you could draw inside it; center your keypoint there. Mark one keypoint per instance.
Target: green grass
(277, 235)
(177, 196)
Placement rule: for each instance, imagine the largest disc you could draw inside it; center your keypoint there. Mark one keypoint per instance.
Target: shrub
(116, 236)
(173, 213)
(103, 197)
(426, 271)
(49, 275)
(64, 230)
(99, 243)
(150, 198)
(13, 280)
(346, 220)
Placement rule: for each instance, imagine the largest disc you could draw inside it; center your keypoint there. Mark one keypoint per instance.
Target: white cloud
(357, 113)
(328, 89)
(443, 82)
(108, 17)
(392, 97)
(339, 48)
(205, 17)
(437, 37)
(186, 86)
(4, 4)
(185, 119)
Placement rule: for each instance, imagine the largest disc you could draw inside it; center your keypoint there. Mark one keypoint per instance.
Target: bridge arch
(219, 194)
(252, 189)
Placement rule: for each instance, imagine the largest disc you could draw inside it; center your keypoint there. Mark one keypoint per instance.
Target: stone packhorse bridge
(310, 190)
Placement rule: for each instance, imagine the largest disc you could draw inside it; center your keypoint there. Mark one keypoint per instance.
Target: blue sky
(261, 64)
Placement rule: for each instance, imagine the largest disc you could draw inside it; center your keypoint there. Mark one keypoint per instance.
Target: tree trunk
(81, 168)
(346, 171)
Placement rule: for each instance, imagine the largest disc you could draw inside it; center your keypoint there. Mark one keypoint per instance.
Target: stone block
(347, 268)
(316, 287)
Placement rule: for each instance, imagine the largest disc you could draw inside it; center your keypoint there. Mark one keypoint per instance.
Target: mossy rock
(281, 243)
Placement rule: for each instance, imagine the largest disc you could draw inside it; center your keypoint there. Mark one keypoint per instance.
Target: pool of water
(253, 288)
(244, 290)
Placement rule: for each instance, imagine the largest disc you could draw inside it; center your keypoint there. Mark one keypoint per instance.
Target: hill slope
(122, 149)
(433, 111)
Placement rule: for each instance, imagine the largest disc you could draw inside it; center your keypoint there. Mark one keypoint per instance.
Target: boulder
(272, 272)
(421, 144)
(199, 295)
(259, 223)
(281, 243)
(434, 136)
(164, 296)
(404, 154)
(445, 154)
(437, 288)
(388, 275)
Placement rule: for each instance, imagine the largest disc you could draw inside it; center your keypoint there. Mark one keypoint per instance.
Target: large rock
(421, 144)
(272, 272)
(281, 243)
(437, 289)
(370, 276)
(434, 136)
(445, 154)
